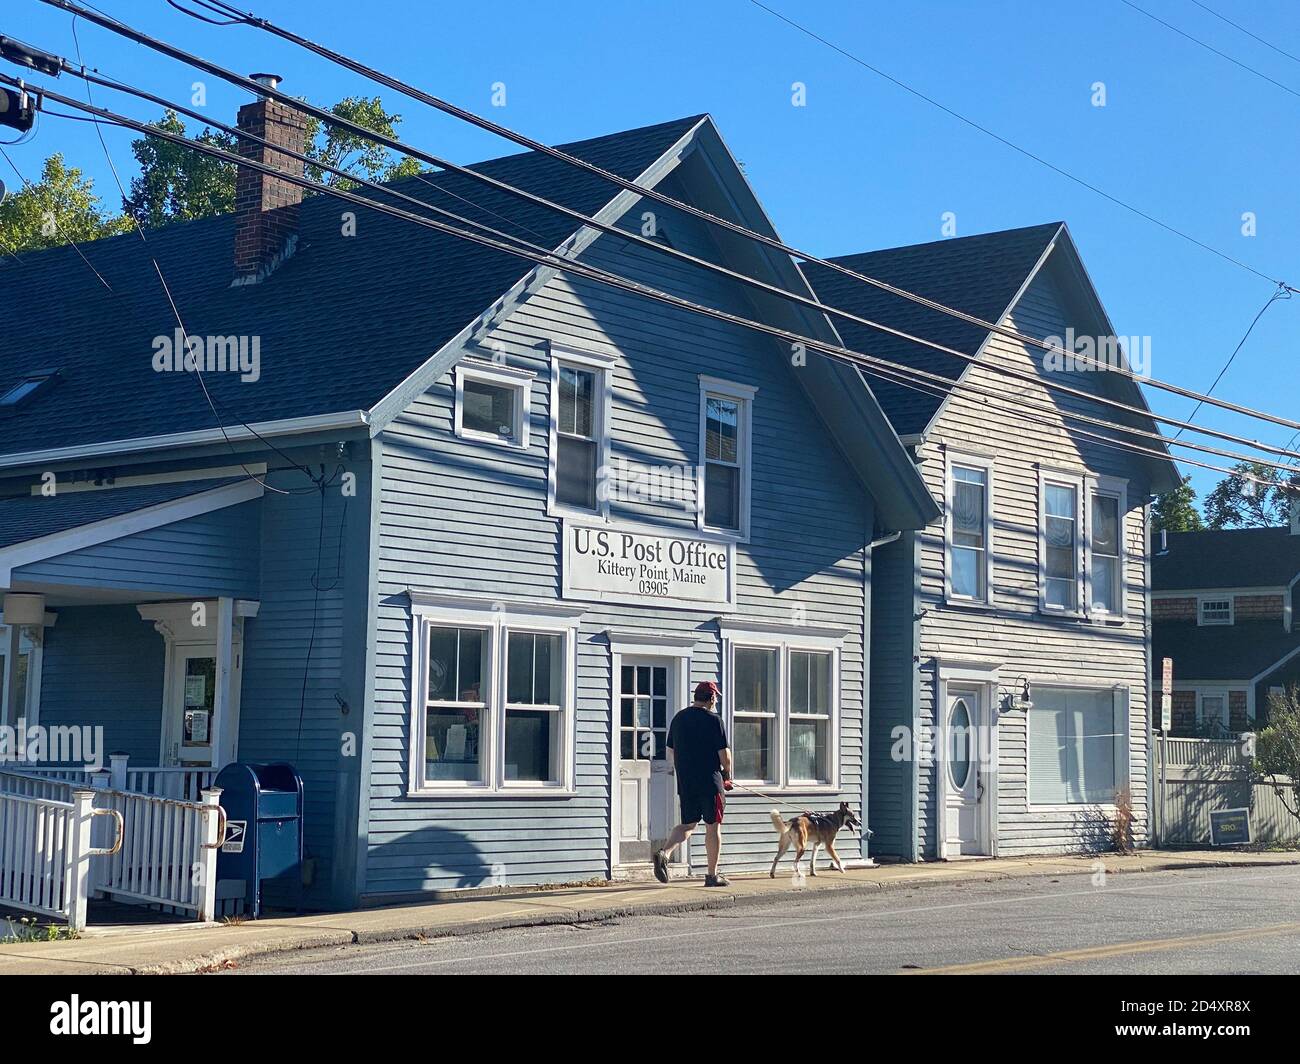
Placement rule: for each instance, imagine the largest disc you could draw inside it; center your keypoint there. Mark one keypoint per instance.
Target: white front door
(643, 710)
(963, 741)
(189, 717)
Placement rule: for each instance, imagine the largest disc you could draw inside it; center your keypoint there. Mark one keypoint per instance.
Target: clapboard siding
(462, 517)
(102, 666)
(288, 709)
(212, 554)
(1014, 633)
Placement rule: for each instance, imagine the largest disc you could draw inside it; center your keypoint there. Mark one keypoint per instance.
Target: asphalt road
(1206, 921)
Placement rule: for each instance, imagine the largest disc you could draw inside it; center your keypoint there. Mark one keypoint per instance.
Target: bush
(1277, 749)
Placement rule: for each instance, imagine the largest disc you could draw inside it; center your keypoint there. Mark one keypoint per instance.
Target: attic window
(26, 388)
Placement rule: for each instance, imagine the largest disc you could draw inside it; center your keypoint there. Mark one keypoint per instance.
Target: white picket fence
(58, 847)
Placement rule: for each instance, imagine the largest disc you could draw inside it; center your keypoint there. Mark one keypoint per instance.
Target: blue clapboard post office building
(455, 534)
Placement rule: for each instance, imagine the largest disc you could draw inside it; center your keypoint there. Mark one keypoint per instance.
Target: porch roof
(27, 517)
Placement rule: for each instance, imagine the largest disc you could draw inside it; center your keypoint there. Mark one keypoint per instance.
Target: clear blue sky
(1185, 135)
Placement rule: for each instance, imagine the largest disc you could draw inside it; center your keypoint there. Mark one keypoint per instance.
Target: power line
(1210, 48)
(592, 273)
(1239, 26)
(537, 249)
(1281, 293)
(1009, 143)
(525, 141)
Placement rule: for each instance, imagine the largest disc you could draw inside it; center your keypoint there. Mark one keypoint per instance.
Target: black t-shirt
(695, 737)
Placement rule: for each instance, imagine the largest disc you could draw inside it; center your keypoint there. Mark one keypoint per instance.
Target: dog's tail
(780, 825)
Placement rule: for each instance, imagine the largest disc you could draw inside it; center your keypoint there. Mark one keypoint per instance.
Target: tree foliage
(1241, 502)
(59, 208)
(1175, 511)
(178, 184)
(1277, 749)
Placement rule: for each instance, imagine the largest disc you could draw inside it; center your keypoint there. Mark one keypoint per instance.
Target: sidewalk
(192, 948)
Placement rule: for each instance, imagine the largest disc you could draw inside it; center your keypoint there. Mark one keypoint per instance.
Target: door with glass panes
(647, 797)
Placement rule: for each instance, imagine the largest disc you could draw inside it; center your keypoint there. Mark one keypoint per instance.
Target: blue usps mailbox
(263, 805)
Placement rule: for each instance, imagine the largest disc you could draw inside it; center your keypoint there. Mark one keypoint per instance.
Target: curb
(325, 937)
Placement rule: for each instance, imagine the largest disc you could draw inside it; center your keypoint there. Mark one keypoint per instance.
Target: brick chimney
(266, 207)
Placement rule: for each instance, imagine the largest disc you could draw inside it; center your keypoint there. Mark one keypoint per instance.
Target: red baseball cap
(704, 690)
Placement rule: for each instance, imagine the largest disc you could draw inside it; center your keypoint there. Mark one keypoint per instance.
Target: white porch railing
(162, 850)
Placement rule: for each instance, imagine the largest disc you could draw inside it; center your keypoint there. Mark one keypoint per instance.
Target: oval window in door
(959, 740)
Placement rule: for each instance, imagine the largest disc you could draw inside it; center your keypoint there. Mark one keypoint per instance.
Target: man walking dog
(701, 760)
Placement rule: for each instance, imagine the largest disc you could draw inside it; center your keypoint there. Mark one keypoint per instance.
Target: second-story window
(1060, 546)
(1216, 610)
(579, 416)
(968, 543)
(725, 450)
(1107, 583)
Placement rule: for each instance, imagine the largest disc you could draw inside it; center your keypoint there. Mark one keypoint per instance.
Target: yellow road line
(1120, 949)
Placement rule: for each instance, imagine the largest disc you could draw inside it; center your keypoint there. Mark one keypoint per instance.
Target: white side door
(961, 764)
(191, 699)
(643, 710)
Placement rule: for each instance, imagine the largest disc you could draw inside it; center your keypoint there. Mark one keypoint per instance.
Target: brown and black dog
(817, 829)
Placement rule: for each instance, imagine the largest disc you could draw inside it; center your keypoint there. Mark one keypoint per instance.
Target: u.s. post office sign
(614, 563)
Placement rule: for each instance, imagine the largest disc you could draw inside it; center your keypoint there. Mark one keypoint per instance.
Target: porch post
(225, 672)
(77, 883)
(100, 781)
(117, 771)
(13, 691)
(207, 871)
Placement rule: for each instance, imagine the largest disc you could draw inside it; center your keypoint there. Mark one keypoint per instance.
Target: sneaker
(661, 866)
(717, 881)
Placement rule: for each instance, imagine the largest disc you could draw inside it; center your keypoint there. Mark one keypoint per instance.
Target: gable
(335, 328)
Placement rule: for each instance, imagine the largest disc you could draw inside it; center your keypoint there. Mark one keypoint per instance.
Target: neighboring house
(470, 630)
(1036, 577)
(1223, 606)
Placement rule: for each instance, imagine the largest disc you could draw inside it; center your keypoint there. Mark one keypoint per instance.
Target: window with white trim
(1106, 554)
(495, 699)
(29, 665)
(1061, 543)
(1215, 610)
(784, 703)
(725, 448)
(1078, 745)
(579, 430)
(492, 403)
(969, 521)
(1212, 714)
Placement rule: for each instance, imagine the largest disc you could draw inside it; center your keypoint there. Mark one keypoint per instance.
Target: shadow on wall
(434, 857)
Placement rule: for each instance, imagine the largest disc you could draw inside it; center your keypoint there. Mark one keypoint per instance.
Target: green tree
(1277, 749)
(1240, 501)
(59, 208)
(1175, 511)
(178, 184)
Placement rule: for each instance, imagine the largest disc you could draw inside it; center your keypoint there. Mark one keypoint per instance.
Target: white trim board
(166, 513)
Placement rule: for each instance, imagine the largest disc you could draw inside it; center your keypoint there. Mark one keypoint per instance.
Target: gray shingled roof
(342, 322)
(1238, 557)
(28, 517)
(976, 274)
(1221, 652)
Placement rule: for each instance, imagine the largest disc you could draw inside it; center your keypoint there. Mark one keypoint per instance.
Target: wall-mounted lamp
(1018, 698)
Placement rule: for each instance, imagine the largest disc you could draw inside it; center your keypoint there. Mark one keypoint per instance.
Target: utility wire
(171, 299)
(1009, 143)
(547, 253)
(1253, 36)
(1281, 293)
(1210, 48)
(575, 268)
(622, 182)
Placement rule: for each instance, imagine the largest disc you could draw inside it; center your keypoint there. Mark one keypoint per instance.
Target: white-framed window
(493, 692)
(580, 399)
(726, 410)
(29, 680)
(1078, 745)
(1214, 609)
(1060, 543)
(1212, 714)
(969, 570)
(1107, 507)
(781, 698)
(493, 403)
